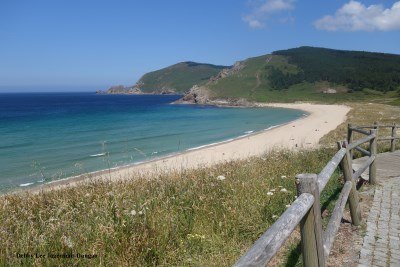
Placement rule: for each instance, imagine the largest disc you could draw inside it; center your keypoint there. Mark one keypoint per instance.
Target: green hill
(179, 77)
(357, 70)
(309, 73)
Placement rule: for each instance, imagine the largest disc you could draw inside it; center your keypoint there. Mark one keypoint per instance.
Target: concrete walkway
(381, 243)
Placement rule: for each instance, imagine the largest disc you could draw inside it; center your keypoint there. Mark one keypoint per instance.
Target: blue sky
(87, 45)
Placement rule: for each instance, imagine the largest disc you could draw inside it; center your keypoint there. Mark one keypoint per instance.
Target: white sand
(302, 133)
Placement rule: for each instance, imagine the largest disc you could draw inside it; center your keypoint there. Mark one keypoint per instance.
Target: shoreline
(320, 117)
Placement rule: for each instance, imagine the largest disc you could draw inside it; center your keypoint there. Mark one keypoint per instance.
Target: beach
(302, 133)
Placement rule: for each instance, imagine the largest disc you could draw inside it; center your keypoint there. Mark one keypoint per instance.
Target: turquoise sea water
(49, 136)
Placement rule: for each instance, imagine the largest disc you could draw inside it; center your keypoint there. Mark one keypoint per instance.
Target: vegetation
(252, 81)
(355, 69)
(199, 217)
(194, 218)
(180, 77)
(307, 74)
(366, 114)
(298, 74)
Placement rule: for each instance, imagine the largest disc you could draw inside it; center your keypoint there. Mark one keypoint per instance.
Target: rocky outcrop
(238, 66)
(138, 84)
(196, 95)
(117, 89)
(165, 91)
(203, 96)
(120, 90)
(134, 90)
(232, 102)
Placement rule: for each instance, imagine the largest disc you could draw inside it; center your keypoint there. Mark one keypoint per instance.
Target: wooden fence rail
(360, 129)
(305, 211)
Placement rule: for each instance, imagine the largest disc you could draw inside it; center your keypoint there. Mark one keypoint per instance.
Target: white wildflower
(67, 241)
(133, 212)
(283, 176)
(274, 216)
(273, 190)
(270, 194)
(221, 178)
(284, 190)
(287, 206)
(140, 213)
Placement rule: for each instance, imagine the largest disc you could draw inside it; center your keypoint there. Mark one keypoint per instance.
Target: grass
(181, 219)
(194, 218)
(365, 114)
(252, 83)
(349, 70)
(181, 76)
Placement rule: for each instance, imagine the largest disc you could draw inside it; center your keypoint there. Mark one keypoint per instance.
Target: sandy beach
(302, 133)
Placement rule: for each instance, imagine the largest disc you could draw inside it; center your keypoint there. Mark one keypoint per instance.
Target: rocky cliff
(133, 90)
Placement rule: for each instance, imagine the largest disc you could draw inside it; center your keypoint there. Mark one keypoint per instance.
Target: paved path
(381, 244)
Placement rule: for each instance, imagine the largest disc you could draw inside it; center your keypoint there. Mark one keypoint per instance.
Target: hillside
(309, 73)
(357, 70)
(179, 77)
(298, 74)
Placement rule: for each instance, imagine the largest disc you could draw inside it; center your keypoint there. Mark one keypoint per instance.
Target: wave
(212, 144)
(247, 133)
(26, 184)
(98, 155)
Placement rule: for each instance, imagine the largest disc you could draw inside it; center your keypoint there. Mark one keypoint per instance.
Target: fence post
(311, 225)
(350, 137)
(347, 168)
(373, 149)
(376, 125)
(393, 142)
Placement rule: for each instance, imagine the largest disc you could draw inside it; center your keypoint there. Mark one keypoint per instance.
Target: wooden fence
(316, 243)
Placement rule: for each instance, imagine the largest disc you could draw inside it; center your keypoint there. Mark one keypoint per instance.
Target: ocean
(51, 136)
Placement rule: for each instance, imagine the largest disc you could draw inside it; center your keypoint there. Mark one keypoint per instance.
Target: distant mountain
(179, 77)
(304, 73)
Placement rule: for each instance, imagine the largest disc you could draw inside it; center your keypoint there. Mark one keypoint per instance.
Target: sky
(70, 45)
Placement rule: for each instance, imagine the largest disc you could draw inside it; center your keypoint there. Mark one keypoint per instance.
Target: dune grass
(205, 217)
(365, 114)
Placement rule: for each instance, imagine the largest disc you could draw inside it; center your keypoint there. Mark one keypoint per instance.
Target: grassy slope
(181, 76)
(365, 113)
(187, 219)
(252, 83)
(356, 69)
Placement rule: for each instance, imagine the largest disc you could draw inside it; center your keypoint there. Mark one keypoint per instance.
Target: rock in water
(196, 95)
